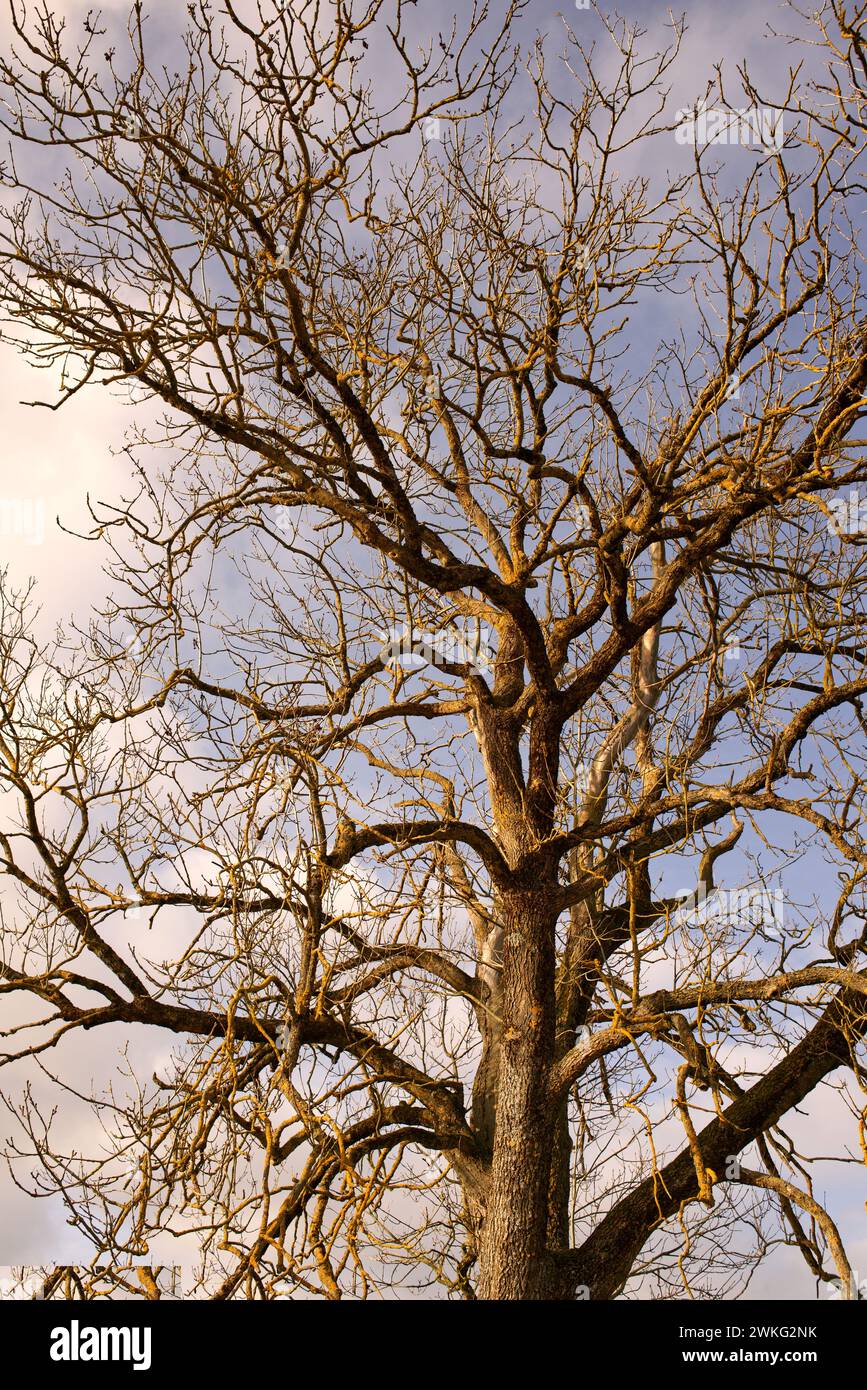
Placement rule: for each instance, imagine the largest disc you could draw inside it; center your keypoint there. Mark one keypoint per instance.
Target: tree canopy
(466, 773)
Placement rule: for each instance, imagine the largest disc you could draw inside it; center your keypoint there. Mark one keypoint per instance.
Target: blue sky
(55, 459)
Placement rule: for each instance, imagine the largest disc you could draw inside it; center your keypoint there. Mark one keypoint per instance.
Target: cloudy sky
(51, 460)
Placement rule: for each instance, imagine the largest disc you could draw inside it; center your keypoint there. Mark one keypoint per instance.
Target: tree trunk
(513, 1242)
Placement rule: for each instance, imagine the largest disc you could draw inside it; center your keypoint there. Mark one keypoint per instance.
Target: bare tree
(468, 769)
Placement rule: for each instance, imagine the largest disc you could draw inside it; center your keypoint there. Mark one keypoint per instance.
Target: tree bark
(513, 1244)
